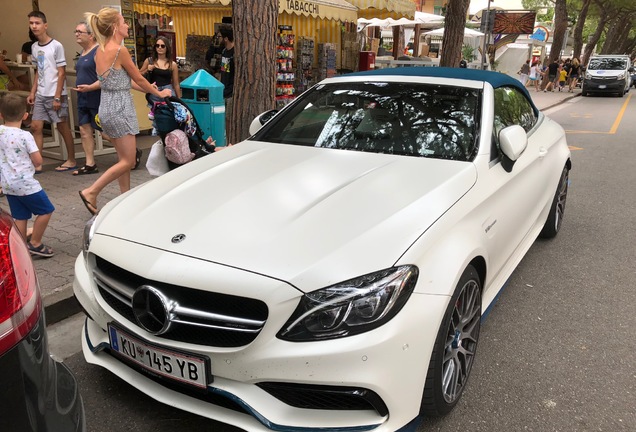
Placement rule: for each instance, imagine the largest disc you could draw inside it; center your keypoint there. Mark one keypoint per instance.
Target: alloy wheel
(461, 341)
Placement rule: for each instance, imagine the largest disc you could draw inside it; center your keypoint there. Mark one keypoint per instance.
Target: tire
(557, 209)
(455, 347)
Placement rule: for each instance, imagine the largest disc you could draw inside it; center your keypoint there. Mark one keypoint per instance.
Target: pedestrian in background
(524, 73)
(19, 159)
(48, 94)
(536, 74)
(161, 71)
(87, 102)
(553, 74)
(575, 71)
(227, 71)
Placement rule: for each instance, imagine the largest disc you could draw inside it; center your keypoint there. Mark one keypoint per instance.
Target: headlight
(621, 76)
(588, 76)
(89, 230)
(351, 307)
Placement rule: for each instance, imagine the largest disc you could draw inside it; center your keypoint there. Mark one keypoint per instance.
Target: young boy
(563, 76)
(19, 158)
(48, 94)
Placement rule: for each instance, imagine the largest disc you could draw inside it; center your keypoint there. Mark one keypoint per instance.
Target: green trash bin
(204, 96)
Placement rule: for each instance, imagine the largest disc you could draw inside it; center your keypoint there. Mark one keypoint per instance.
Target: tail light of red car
(20, 301)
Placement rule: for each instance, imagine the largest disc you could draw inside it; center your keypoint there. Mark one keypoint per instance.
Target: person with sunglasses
(161, 71)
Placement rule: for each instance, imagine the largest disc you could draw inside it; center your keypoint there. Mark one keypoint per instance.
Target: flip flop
(86, 169)
(92, 209)
(63, 168)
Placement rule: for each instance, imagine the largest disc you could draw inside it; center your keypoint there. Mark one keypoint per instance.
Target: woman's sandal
(86, 169)
(92, 208)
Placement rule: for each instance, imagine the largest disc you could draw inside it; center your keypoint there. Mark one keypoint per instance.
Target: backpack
(178, 147)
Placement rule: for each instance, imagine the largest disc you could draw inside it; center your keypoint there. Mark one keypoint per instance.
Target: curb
(560, 102)
(60, 305)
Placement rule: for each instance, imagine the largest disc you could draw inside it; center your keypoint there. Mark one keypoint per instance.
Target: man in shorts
(48, 95)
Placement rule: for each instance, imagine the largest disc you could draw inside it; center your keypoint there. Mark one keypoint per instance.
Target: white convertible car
(329, 273)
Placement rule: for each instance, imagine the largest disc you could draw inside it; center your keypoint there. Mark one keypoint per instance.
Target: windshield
(409, 119)
(608, 64)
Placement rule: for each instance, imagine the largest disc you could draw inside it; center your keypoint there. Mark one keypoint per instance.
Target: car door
(517, 195)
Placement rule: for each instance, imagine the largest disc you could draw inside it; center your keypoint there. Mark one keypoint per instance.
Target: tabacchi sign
(306, 7)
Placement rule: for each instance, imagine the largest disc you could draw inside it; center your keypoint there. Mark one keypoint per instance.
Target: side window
(511, 108)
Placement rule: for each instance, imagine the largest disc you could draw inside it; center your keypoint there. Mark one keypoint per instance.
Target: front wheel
(557, 209)
(455, 347)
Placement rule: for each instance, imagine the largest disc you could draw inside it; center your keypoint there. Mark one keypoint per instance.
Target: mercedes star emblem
(178, 238)
(152, 309)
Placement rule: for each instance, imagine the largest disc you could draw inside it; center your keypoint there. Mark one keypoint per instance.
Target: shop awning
(184, 2)
(338, 10)
(403, 7)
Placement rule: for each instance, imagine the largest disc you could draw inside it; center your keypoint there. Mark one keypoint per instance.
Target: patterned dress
(116, 109)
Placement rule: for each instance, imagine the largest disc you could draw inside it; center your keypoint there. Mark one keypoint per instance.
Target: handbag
(148, 74)
(157, 164)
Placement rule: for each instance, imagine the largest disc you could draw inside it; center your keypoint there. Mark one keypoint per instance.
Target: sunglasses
(81, 32)
(159, 46)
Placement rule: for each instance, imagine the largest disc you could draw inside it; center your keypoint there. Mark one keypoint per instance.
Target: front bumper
(603, 86)
(390, 361)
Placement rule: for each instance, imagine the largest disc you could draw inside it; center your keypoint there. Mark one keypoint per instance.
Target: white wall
(15, 26)
(62, 17)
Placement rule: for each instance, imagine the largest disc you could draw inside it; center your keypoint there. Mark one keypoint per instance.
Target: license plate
(183, 367)
(602, 86)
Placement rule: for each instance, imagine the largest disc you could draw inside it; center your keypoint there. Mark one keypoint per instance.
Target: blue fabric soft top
(495, 79)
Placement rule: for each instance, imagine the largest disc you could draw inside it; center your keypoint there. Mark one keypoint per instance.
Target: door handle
(542, 152)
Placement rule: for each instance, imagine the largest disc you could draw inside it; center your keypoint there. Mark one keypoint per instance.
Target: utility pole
(487, 28)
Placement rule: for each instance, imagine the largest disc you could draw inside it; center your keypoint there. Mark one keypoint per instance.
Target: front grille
(325, 397)
(604, 79)
(199, 317)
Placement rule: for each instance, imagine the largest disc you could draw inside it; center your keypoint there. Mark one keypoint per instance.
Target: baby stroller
(173, 114)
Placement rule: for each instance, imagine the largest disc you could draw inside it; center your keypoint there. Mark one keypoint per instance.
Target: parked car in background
(37, 393)
(330, 272)
(607, 74)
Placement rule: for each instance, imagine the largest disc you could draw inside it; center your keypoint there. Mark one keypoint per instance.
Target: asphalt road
(556, 351)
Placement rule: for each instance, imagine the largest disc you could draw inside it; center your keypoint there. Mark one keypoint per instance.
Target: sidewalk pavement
(64, 233)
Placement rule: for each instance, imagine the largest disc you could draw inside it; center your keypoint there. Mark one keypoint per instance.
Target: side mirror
(513, 141)
(260, 120)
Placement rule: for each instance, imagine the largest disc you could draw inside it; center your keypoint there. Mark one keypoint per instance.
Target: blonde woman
(575, 72)
(117, 116)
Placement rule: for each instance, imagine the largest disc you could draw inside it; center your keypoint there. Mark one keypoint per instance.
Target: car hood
(308, 216)
(602, 73)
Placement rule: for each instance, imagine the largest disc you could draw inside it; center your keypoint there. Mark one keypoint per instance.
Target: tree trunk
(398, 42)
(255, 39)
(453, 39)
(560, 27)
(577, 34)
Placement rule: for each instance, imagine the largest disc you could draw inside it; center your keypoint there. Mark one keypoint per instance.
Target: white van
(607, 74)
